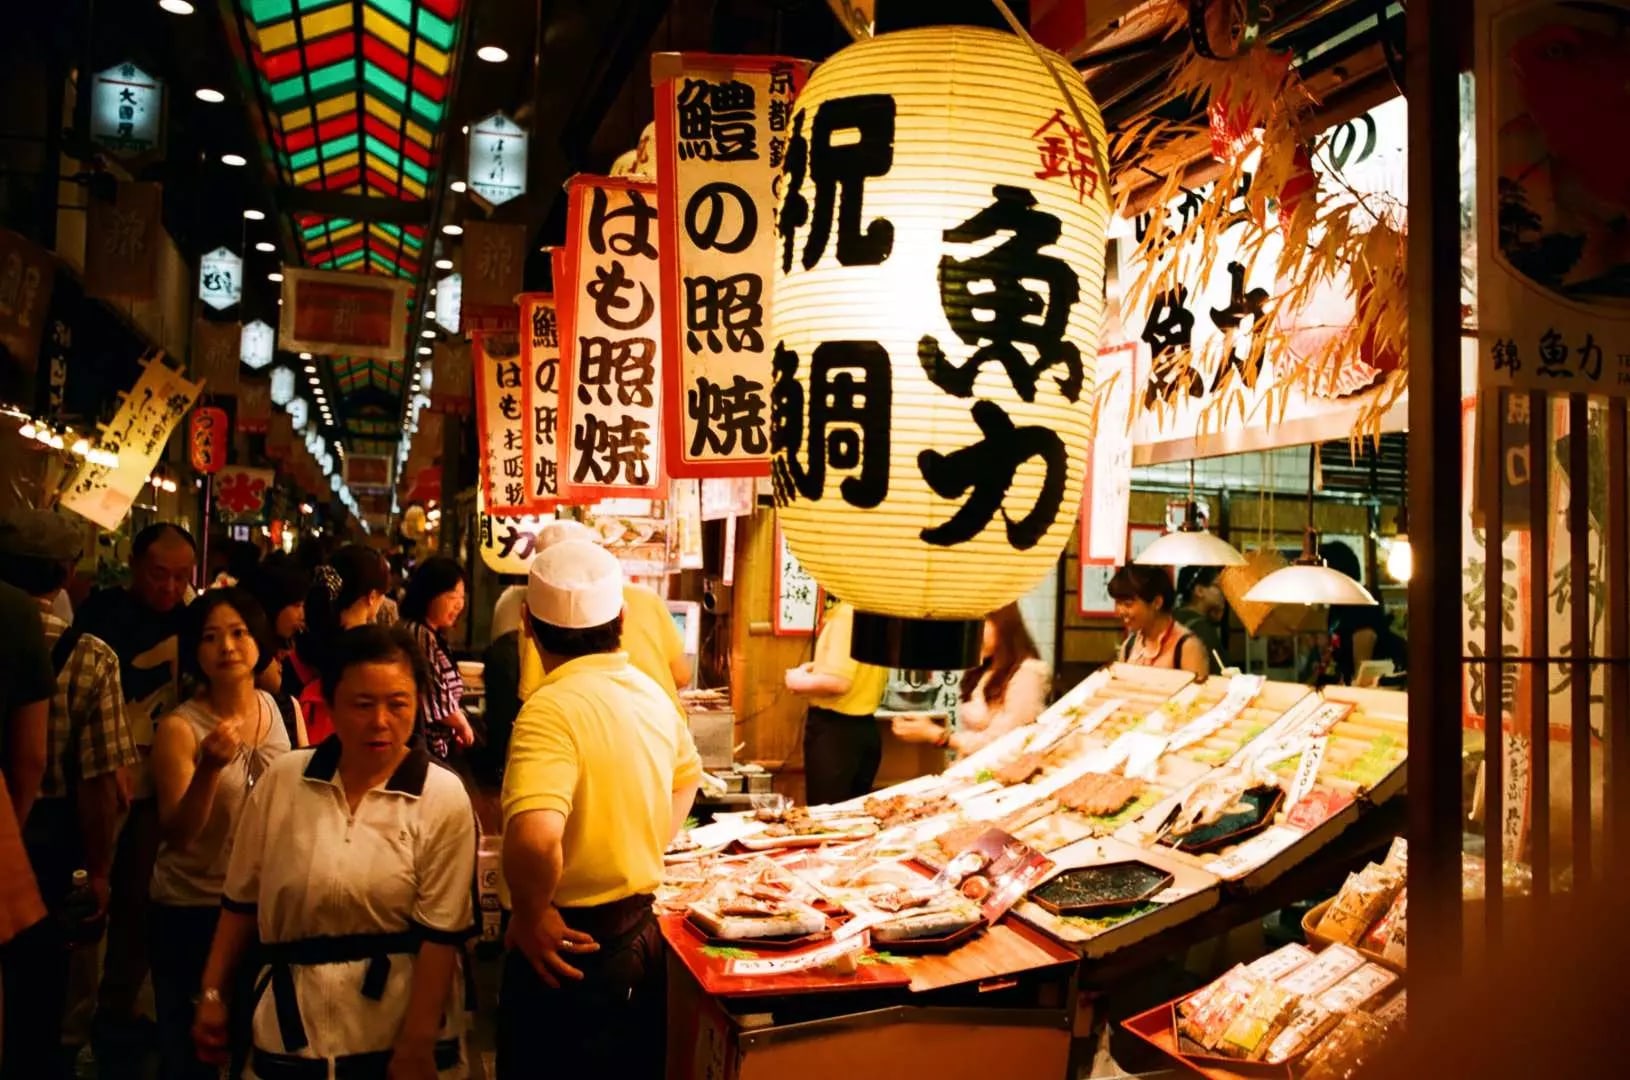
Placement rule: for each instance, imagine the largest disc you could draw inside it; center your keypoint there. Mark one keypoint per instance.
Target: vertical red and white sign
(504, 411)
(540, 364)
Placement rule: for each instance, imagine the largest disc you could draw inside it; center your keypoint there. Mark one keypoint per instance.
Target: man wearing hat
(74, 824)
(602, 772)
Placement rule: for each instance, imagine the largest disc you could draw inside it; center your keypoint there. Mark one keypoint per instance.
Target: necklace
(254, 764)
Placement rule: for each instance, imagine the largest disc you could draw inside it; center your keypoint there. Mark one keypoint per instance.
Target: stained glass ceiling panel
(353, 376)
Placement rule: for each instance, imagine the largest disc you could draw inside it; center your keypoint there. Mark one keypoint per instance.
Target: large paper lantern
(938, 303)
(208, 435)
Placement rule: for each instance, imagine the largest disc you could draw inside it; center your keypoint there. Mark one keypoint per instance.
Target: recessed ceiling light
(444, 264)
(458, 186)
(254, 215)
(451, 229)
(305, 356)
(234, 160)
(429, 333)
(425, 350)
(311, 369)
(265, 245)
(209, 94)
(465, 129)
(176, 7)
(492, 54)
(275, 276)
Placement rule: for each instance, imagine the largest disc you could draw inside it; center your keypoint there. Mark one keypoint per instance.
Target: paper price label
(786, 965)
(1241, 693)
(1307, 771)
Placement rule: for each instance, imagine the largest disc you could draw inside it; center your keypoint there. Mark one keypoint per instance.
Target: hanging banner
(257, 342)
(122, 242)
(254, 406)
(280, 437)
(1553, 272)
(450, 381)
(215, 349)
(27, 272)
(241, 495)
(147, 414)
(220, 278)
(1106, 497)
(367, 472)
(492, 273)
(449, 299)
(503, 408)
(127, 108)
(611, 398)
(208, 438)
(497, 165)
(540, 364)
(722, 126)
(361, 315)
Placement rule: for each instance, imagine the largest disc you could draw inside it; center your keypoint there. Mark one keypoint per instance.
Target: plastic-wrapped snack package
(1252, 1030)
(1393, 1014)
(1207, 1024)
(1375, 939)
(1358, 989)
(1362, 900)
(1397, 948)
(1343, 1053)
(1309, 1022)
(1326, 970)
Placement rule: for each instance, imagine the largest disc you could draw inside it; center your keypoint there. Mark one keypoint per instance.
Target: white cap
(575, 585)
(506, 613)
(562, 530)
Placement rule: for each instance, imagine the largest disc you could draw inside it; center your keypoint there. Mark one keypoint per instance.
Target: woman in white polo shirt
(353, 866)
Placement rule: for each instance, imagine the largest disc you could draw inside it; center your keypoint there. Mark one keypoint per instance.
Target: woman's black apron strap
(1177, 653)
(281, 958)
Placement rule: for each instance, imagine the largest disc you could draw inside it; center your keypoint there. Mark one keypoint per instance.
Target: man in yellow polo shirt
(601, 776)
(650, 637)
(843, 743)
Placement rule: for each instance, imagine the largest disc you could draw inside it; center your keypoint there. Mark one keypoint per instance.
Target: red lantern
(207, 439)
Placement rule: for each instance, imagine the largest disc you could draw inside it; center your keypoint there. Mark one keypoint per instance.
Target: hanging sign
(449, 297)
(282, 385)
(722, 127)
(220, 279)
(797, 598)
(497, 165)
(147, 414)
(241, 494)
(503, 396)
(360, 315)
(494, 259)
(723, 499)
(507, 544)
(256, 344)
(450, 387)
(254, 406)
(208, 436)
(127, 105)
(1106, 498)
(367, 472)
(540, 364)
(1552, 266)
(27, 273)
(122, 241)
(611, 407)
(280, 438)
(299, 416)
(215, 349)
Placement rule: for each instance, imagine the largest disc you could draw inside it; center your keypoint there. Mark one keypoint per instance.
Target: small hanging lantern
(207, 438)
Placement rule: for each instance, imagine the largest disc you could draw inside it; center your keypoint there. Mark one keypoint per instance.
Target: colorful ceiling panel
(353, 376)
(377, 247)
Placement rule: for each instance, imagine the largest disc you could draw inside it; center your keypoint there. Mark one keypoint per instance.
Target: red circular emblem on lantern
(207, 438)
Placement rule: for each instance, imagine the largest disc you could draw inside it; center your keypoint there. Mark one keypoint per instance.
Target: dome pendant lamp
(1308, 580)
(1191, 544)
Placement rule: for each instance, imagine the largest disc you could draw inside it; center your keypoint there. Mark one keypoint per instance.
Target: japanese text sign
(254, 406)
(208, 437)
(449, 298)
(215, 355)
(367, 472)
(611, 396)
(27, 274)
(220, 278)
(1106, 497)
(507, 544)
(492, 273)
(127, 105)
(723, 125)
(122, 243)
(1552, 265)
(497, 165)
(450, 377)
(256, 345)
(147, 415)
(241, 494)
(503, 397)
(540, 357)
(342, 314)
(797, 597)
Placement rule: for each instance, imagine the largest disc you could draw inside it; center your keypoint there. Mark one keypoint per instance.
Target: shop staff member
(1144, 598)
(602, 772)
(843, 744)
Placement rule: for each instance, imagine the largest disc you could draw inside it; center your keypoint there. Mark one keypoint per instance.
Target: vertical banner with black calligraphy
(611, 397)
(723, 124)
(503, 394)
(540, 364)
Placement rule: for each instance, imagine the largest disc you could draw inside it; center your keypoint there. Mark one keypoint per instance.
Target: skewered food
(1100, 795)
(1020, 769)
(903, 809)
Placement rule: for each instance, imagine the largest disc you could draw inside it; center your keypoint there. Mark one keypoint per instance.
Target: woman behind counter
(353, 867)
(1144, 600)
(207, 757)
(1007, 690)
(433, 603)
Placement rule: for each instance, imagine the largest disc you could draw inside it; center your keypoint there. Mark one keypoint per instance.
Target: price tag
(1307, 771)
(786, 965)
(1241, 693)
(1141, 750)
(1253, 853)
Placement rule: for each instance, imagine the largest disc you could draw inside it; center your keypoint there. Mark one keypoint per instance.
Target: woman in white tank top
(207, 756)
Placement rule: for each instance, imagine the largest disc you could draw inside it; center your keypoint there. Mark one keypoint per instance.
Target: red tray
(1158, 1028)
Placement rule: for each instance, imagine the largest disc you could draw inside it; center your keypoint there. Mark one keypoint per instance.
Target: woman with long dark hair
(207, 757)
(345, 593)
(1007, 690)
(433, 603)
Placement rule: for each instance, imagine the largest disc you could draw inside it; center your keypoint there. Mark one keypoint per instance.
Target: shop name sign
(256, 344)
(497, 165)
(449, 296)
(220, 279)
(127, 106)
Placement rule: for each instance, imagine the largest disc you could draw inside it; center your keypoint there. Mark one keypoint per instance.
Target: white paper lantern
(282, 385)
(255, 345)
(937, 308)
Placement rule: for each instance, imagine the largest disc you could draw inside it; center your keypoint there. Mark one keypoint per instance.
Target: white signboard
(127, 105)
(299, 413)
(256, 344)
(797, 596)
(449, 296)
(497, 166)
(220, 279)
(282, 385)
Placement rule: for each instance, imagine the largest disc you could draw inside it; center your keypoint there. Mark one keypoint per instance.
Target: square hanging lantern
(220, 279)
(127, 106)
(937, 307)
(449, 298)
(256, 344)
(282, 385)
(497, 165)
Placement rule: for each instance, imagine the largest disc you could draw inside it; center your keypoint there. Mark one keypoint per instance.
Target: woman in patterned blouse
(434, 601)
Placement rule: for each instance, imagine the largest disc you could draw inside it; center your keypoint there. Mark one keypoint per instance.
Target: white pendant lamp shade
(1310, 583)
(1191, 548)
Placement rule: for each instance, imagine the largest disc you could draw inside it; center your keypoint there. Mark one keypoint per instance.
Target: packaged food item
(1397, 948)
(1223, 1001)
(1279, 963)
(1375, 939)
(1253, 1028)
(1362, 900)
(1357, 989)
(1346, 1051)
(1308, 1023)
(1324, 971)
(1393, 1015)
(1398, 855)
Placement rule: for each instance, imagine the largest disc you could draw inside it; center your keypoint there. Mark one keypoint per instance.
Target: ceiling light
(209, 94)
(492, 54)
(458, 186)
(1191, 545)
(1308, 580)
(465, 130)
(311, 369)
(305, 356)
(254, 215)
(234, 160)
(444, 264)
(451, 229)
(1400, 558)
(275, 276)
(428, 333)
(425, 350)
(265, 245)
(176, 7)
